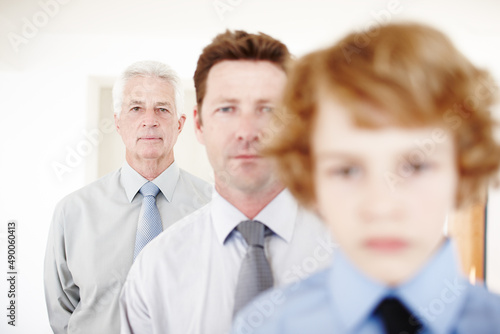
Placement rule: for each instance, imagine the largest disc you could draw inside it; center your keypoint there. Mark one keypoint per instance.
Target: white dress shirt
(91, 244)
(184, 281)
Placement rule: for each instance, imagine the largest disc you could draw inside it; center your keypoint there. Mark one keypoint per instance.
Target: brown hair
(237, 45)
(414, 76)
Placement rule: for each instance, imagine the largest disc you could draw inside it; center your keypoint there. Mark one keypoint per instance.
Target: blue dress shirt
(341, 299)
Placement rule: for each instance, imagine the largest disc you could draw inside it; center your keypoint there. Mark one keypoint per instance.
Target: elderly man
(252, 235)
(98, 231)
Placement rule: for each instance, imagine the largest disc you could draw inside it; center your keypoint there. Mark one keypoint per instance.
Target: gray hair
(148, 68)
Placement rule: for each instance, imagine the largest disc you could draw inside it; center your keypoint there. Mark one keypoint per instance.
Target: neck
(250, 203)
(150, 168)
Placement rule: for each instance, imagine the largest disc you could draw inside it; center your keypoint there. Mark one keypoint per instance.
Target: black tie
(396, 317)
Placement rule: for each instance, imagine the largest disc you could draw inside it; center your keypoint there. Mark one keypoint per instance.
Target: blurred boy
(386, 137)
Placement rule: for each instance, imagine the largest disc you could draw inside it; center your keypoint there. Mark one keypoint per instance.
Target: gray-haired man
(98, 230)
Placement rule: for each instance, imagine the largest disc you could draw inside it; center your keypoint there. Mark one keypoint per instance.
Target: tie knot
(149, 189)
(396, 317)
(253, 232)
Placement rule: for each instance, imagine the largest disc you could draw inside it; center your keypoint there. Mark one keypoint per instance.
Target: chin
(250, 185)
(393, 280)
(393, 274)
(150, 154)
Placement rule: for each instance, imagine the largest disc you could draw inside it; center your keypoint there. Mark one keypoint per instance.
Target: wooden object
(467, 227)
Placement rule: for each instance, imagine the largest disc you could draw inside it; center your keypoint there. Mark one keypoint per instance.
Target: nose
(150, 118)
(249, 127)
(380, 201)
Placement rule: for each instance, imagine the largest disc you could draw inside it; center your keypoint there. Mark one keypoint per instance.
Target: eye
(407, 169)
(346, 172)
(163, 110)
(135, 109)
(226, 109)
(420, 167)
(267, 109)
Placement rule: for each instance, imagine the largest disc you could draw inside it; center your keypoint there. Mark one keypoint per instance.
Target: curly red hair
(415, 77)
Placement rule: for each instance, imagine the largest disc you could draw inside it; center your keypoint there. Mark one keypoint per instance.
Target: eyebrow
(405, 153)
(231, 100)
(160, 103)
(335, 155)
(225, 100)
(163, 103)
(135, 102)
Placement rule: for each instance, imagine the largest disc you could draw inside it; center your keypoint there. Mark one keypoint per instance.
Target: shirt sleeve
(61, 294)
(134, 313)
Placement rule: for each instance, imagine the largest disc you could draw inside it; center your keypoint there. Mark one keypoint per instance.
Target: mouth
(247, 156)
(386, 245)
(150, 138)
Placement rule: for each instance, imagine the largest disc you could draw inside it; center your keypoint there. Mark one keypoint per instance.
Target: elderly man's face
(240, 98)
(148, 123)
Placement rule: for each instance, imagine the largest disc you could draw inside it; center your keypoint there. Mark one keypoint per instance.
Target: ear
(180, 123)
(117, 122)
(198, 127)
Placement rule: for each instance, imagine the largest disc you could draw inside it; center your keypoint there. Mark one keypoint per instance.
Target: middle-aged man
(98, 230)
(252, 235)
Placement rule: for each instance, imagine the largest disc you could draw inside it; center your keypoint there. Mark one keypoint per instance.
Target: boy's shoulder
(481, 312)
(478, 297)
(315, 287)
(293, 305)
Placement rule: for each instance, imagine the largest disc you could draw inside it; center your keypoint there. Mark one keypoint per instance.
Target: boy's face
(385, 192)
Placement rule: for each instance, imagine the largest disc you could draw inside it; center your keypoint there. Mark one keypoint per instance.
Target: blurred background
(58, 60)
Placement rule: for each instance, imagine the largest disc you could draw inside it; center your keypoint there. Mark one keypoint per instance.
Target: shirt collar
(419, 294)
(279, 215)
(132, 181)
(354, 295)
(437, 293)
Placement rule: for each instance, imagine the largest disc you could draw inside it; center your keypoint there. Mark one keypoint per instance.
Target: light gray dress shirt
(91, 244)
(184, 281)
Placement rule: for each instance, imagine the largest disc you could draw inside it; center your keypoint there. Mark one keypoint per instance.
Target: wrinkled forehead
(140, 87)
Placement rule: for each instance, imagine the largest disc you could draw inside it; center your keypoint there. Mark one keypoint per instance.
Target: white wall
(47, 87)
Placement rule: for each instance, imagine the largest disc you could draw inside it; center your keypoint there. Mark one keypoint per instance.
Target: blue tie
(149, 220)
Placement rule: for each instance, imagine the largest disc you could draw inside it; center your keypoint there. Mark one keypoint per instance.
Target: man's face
(148, 123)
(385, 192)
(239, 100)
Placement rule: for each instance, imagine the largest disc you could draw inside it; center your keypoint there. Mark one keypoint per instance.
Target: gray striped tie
(150, 221)
(255, 273)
